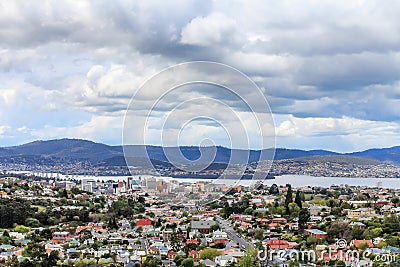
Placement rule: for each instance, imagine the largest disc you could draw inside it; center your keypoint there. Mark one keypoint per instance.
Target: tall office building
(88, 185)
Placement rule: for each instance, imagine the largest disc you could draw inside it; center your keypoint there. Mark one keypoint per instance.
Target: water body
(305, 180)
(294, 180)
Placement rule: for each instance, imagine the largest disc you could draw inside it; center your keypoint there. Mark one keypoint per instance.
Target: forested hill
(77, 149)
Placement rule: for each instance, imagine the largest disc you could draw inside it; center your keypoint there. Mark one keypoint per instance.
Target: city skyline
(328, 70)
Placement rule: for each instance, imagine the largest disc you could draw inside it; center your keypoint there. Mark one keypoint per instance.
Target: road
(233, 235)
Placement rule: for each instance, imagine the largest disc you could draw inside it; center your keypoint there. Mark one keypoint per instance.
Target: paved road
(233, 235)
(144, 243)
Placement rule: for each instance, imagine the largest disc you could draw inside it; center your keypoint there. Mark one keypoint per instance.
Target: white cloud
(213, 29)
(67, 65)
(100, 128)
(344, 134)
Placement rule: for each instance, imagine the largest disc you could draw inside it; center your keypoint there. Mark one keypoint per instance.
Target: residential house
(194, 254)
(143, 222)
(219, 234)
(359, 225)
(361, 213)
(202, 226)
(278, 244)
(60, 237)
(315, 233)
(223, 260)
(319, 210)
(208, 263)
(171, 255)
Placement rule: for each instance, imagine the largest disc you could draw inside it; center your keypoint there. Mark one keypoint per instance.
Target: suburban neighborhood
(47, 222)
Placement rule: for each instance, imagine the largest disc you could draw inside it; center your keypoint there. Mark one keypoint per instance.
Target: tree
(274, 189)
(214, 227)
(259, 234)
(15, 211)
(311, 241)
(376, 232)
(340, 263)
(151, 262)
(178, 260)
(339, 230)
(63, 193)
(13, 262)
(289, 198)
(395, 200)
(210, 253)
(304, 216)
(294, 210)
(21, 229)
(112, 223)
(381, 244)
(247, 260)
(363, 246)
(298, 198)
(5, 239)
(38, 256)
(189, 262)
(32, 222)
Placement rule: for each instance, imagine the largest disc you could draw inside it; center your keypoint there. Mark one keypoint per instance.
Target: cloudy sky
(330, 70)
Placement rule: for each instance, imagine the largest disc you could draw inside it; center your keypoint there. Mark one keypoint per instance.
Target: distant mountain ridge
(78, 149)
(64, 148)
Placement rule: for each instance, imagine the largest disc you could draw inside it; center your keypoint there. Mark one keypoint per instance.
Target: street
(233, 235)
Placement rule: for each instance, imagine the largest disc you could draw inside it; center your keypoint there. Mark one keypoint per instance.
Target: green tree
(381, 244)
(376, 232)
(274, 189)
(152, 262)
(189, 262)
(210, 253)
(6, 233)
(289, 198)
(311, 241)
(259, 234)
(304, 216)
(214, 227)
(298, 198)
(178, 260)
(247, 260)
(15, 211)
(62, 193)
(38, 255)
(112, 223)
(362, 246)
(294, 210)
(21, 229)
(340, 263)
(5, 240)
(32, 222)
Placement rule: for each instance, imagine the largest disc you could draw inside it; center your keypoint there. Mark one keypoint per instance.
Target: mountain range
(77, 149)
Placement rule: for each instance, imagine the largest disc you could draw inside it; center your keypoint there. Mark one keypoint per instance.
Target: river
(294, 180)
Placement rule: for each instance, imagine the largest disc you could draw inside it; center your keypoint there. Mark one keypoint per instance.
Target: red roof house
(143, 222)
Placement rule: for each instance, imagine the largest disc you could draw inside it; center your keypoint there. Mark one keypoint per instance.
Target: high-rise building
(88, 185)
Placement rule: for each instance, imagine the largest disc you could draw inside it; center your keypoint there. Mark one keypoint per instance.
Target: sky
(330, 70)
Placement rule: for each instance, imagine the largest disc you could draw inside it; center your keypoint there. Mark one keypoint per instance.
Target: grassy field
(40, 208)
